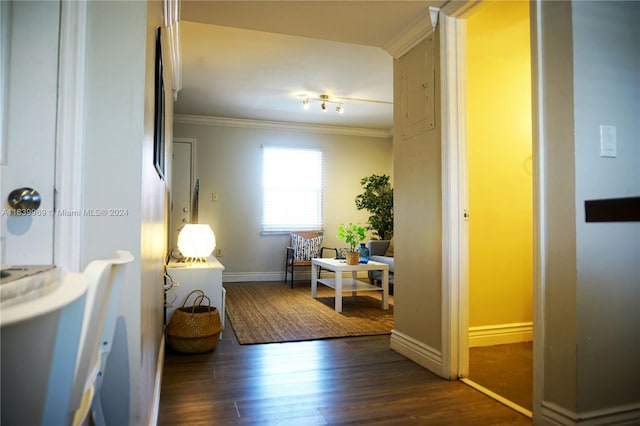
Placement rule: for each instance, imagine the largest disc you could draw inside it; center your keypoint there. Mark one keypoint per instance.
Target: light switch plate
(608, 141)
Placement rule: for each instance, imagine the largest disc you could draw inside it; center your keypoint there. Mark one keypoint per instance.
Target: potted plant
(378, 200)
(353, 235)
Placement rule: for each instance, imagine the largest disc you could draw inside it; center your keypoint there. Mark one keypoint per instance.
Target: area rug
(274, 313)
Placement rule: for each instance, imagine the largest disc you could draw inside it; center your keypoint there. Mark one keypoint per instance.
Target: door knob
(24, 199)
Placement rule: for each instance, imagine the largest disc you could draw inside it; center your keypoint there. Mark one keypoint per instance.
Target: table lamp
(196, 242)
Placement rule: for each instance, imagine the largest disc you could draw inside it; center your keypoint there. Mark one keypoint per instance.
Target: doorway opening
(493, 139)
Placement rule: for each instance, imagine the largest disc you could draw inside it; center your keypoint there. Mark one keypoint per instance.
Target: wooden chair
(303, 246)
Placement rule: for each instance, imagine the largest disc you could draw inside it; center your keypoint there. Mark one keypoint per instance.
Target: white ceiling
(257, 60)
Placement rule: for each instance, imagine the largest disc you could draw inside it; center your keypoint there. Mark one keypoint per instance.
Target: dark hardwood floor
(356, 380)
(506, 370)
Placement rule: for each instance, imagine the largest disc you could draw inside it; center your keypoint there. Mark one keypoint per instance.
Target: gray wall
(586, 73)
(590, 76)
(229, 163)
(418, 221)
(606, 40)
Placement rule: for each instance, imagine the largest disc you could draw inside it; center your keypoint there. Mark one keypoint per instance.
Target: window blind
(292, 189)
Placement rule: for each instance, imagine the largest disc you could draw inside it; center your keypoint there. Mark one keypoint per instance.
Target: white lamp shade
(196, 241)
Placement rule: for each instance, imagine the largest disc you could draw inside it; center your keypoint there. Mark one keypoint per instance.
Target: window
(292, 189)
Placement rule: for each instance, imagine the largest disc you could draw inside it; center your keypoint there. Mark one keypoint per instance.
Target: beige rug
(273, 312)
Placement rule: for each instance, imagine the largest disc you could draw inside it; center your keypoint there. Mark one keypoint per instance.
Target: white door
(182, 186)
(29, 83)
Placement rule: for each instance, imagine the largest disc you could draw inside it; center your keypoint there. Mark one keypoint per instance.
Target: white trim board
(501, 399)
(500, 334)
(70, 134)
(418, 352)
(454, 200)
(553, 414)
(423, 26)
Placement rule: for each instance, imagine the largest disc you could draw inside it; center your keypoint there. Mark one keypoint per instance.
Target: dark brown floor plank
(337, 381)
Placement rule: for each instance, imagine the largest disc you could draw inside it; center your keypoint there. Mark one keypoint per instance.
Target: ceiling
(258, 60)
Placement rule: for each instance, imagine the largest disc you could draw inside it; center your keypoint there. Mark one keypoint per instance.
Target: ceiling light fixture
(324, 100)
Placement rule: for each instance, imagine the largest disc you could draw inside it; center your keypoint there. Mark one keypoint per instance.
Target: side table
(195, 276)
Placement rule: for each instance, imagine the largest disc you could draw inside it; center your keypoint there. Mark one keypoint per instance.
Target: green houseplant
(353, 235)
(377, 198)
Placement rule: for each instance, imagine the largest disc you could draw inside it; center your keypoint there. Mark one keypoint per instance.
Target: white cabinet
(195, 276)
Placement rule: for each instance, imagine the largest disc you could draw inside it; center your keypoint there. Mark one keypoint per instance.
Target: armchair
(303, 246)
(381, 251)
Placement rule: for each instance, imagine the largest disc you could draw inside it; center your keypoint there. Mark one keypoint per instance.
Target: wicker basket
(195, 328)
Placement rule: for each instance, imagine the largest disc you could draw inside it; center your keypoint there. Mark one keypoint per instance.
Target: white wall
(119, 173)
(229, 163)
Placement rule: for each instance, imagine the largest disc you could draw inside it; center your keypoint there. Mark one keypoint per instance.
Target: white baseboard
(418, 352)
(553, 414)
(501, 399)
(500, 334)
(239, 277)
(155, 403)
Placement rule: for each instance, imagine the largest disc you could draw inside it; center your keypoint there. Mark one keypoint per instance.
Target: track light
(324, 100)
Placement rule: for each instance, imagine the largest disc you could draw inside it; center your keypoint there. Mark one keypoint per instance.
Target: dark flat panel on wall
(613, 210)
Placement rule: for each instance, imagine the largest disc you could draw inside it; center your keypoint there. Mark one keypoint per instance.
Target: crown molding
(279, 125)
(423, 26)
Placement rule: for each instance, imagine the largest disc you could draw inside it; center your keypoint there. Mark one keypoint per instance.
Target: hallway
(334, 381)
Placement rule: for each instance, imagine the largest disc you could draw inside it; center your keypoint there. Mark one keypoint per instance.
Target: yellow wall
(500, 166)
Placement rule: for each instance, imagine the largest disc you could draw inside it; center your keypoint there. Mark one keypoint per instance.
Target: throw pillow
(305, 248)
(389, 251)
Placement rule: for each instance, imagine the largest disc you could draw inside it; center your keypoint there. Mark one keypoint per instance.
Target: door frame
(67, 229)
(193, 143)
(455, 314)
(455, 257)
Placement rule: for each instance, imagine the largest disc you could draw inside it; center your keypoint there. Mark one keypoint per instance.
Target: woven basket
(352, 257)
(195, 328)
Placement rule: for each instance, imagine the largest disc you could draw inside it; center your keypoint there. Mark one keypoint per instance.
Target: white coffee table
(340, 284)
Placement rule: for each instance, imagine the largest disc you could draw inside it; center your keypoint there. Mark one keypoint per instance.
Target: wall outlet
(218, 252)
